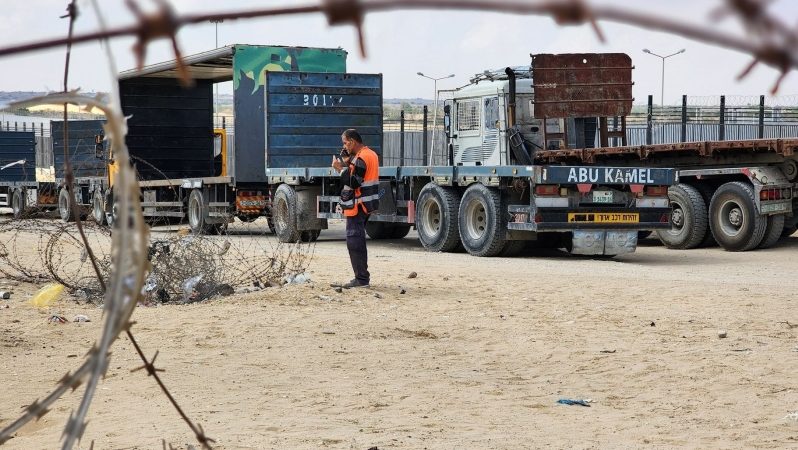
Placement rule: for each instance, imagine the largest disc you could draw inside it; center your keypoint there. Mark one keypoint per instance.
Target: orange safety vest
(367, 195)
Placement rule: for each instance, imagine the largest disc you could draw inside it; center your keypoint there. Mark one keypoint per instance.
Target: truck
(188, 169)
(738, 194)
(33, 171)
(18, 185)
(291, 105)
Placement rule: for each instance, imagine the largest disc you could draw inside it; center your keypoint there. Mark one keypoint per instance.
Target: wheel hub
(736, 217)
(477, 220)
(677, 217)
(432, 216)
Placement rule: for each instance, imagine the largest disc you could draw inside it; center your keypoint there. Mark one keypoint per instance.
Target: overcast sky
(402, 43)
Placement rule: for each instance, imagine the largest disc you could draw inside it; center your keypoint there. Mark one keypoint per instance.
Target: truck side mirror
(447, 120)
(99, 148)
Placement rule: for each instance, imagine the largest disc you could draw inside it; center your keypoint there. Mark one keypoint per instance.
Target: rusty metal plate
(582, 85)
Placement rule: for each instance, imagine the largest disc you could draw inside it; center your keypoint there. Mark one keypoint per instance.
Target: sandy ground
(474, 354)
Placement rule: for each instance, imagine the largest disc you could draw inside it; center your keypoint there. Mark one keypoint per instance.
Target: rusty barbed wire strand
(72, 13)
(770, 42)
(129, 242)
(149, 367)
(129, 259)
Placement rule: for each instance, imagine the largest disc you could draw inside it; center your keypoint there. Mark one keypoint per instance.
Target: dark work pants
(356, 244)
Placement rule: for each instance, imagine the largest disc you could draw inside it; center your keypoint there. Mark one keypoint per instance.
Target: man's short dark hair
(353, 135)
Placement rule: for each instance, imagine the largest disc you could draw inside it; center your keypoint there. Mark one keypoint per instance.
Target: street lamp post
(662, 89)
(435, 112)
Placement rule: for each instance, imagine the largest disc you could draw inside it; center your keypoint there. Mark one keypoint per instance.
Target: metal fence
(664, 133)
(409, 141)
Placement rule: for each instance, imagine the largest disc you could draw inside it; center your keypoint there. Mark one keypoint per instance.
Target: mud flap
(306, 209)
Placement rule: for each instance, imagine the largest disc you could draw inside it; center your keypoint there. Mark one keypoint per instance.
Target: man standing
(360, 172)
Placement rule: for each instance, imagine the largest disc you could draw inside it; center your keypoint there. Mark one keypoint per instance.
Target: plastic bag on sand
(189, 285)
(47, 295)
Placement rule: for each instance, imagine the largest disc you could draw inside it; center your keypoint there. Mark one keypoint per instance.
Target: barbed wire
(768, 39)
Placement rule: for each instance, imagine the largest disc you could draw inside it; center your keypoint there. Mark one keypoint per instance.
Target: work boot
(355, 284)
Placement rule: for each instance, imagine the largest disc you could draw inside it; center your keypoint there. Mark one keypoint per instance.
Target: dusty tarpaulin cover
(582, 85)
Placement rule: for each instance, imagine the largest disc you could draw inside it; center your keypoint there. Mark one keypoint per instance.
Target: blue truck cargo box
(16, 146)
(81, 135)
(306, 113)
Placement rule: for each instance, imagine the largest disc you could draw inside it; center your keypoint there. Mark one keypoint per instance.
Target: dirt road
(475, 354)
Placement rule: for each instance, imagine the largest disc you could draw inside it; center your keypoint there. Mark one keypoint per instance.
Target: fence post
(41, 129)
(224, 122)
(722, 119)
(684, 118)
(15, 126)
(649, 117)
(402, 137)
(761, 117)
(426, 144)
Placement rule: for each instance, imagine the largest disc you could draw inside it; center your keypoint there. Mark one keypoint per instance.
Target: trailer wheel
(482, 227)
(309, 235)
(512, 248)
(688, 220)
(379, 230)
(788, 230)
(98, 207)
(65, 206)
(284, 214)
(734, 221)
(436, 218)
(112, 212)
(198, 213)
(773, 231)
(18, 203)
(400, 231)
(707, 190)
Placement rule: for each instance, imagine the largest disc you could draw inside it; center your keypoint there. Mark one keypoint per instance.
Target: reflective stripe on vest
(367, 194)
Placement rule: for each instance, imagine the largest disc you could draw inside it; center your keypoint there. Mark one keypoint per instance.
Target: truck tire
(688, 220)
(436, 218)
(482, 224)
(379, 230)
(98, 208)
(733, 218)
(18, 203)
(400, 231)
(386, 230)
(788, 230)
(284, 214)
(512, 248)
(198, 212)
(707, 190)
(65, 206)
(309, 235)
(773, 231)
(112, 212)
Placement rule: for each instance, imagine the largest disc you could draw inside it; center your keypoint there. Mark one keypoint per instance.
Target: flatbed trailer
(739, 194)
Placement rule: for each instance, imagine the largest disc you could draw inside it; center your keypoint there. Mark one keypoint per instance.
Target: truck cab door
(467, 128)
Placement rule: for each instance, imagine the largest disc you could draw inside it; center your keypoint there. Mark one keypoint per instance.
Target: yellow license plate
(604, 217)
